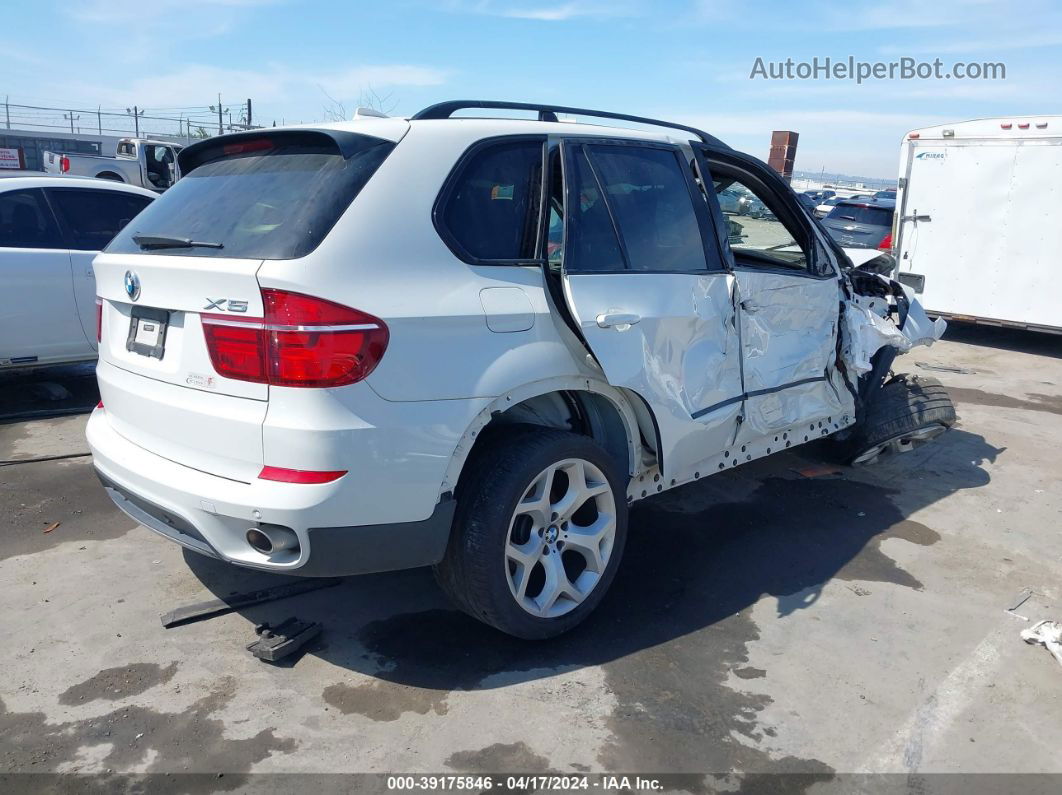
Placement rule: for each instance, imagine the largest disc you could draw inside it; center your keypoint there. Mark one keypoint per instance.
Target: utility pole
(72, 119)
(7, 110)
(249, 122)
(99, 120)
(136, 118)
(220, 131)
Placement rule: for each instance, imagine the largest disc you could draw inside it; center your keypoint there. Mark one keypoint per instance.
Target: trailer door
(978, 224)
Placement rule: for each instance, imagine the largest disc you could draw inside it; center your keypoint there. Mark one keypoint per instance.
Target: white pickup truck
(139, 161)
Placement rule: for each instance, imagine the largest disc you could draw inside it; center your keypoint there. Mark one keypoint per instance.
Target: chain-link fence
(180, 123)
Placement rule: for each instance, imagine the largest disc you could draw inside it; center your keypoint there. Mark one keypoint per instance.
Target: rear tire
(909, 411)
(539, 532)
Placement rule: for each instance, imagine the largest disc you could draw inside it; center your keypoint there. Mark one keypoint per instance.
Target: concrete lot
(762, 622)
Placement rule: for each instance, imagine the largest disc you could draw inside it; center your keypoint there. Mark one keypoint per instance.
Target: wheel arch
(111, 175)
(579, 404)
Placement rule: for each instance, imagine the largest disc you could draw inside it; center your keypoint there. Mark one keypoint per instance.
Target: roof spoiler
(444, 110)
(195, 155)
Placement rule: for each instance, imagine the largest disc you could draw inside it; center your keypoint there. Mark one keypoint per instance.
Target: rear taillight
(886, 243)
(64, 164)
(301, 341)
(99, 319)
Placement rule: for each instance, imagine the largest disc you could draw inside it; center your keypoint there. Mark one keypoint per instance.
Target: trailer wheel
(909, 411)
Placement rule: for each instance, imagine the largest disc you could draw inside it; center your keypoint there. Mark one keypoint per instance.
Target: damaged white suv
(472, 343)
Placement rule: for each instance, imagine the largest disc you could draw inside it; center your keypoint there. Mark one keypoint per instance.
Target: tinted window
(93, 217)
(272, 201)
(491, 210)
(878, 216)
(26, 221)
(646, 189)
(591, 243)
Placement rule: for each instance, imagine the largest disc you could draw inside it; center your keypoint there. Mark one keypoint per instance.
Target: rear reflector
(99, 319)
(302, 341)
(886, 243)
(282, 475)
(99, 405)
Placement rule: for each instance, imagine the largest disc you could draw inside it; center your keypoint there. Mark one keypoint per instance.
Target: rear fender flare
(535, 389)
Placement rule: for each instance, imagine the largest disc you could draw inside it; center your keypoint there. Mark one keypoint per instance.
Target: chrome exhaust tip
(269, 539)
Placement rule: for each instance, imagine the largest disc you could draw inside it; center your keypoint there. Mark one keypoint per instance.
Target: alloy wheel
(561, 537)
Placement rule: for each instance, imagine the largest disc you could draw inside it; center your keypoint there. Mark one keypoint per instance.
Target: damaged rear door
(788, 298)
(644, 279)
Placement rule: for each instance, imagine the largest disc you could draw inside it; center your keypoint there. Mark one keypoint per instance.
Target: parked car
(310, 368)
(822, 210)
(820, 196)
(859, 223)
(886, 194)
(731, 202)
(50, 229)
(138, 161)
(751, 206)
(807, 202)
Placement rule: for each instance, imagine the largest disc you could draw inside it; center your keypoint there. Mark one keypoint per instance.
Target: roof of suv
(393, 129)
(548, 122)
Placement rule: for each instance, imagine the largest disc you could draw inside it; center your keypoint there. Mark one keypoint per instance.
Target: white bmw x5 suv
(472, 343)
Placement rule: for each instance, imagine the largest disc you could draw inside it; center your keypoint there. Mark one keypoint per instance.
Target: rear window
(878, 216)
(274, 201)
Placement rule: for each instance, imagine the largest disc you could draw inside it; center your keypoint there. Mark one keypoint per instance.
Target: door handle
(607, 319)
(750, 306)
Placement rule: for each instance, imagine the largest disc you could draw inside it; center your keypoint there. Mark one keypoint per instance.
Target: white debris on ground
(1048, 634)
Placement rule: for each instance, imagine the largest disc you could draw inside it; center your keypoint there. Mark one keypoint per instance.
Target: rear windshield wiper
(155, 241)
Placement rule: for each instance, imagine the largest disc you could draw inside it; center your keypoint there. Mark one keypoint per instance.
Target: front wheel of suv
(539, 532)
(909, 411)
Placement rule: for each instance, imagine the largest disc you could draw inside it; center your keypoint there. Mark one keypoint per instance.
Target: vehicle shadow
(1007, 339)
(695, 557)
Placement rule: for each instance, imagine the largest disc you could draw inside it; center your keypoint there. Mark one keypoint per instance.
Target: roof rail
(444, 110)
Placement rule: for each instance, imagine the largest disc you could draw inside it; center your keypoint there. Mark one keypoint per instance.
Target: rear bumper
(211, 515)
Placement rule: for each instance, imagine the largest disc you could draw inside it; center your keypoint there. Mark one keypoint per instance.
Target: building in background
(783, 153)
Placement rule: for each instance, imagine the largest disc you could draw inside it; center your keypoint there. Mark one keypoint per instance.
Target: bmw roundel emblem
(132, 285)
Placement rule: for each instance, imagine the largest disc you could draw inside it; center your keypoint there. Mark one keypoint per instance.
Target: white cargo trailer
(978, 225)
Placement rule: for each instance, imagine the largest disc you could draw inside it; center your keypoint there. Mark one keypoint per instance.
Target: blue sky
(684, 60)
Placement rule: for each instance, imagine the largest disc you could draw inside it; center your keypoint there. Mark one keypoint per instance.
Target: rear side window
(592, 241)
(268, 199)
(93, 217)
(649, 197)
(878, 216)
(489, 210)
(26, 221)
